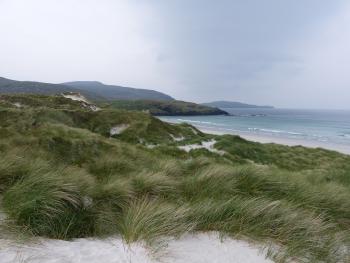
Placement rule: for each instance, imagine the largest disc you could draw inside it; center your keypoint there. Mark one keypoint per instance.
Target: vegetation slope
(155, 102)
(112, 92)
(62, 175)
(166, 108)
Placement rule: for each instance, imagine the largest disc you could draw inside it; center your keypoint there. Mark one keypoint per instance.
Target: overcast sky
(285, 53)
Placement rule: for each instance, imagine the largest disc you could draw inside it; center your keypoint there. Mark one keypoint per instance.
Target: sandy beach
(285, 141)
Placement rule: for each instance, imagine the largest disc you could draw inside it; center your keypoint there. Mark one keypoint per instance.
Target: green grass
(49, 206)
(63, 176)
(152, 220)
(167, 108)
(298, 231)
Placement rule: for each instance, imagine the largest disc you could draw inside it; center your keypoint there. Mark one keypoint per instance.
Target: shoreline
(262, 138)
(284, 141)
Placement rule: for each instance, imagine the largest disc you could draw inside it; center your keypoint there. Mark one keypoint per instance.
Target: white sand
(17, 104)
(177, 139)
(207, 247)
(209, 145)
(75, 96)
(81, 98)
(151, 146)
(118, 129)
(198, 248)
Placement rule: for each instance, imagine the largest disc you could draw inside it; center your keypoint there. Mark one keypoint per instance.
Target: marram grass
(62, 176)
(152, 220)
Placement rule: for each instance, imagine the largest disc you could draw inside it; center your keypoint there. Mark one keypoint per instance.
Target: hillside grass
(165, 108)
(63, 176)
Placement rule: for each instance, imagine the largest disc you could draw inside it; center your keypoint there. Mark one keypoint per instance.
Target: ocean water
(317, 126)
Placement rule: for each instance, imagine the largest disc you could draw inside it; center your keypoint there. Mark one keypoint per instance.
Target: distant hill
(112, 92)
(154, 102)
(234, 104)
(93, 90)
(8, 86)
(167, 108)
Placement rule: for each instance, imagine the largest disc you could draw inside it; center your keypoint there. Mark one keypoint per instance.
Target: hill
(91, 89)
(233, 104)
(8, 86)
(167, 108)
(112, 92)
(71, 171)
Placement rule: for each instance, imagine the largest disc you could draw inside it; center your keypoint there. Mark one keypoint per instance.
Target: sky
(286, 53)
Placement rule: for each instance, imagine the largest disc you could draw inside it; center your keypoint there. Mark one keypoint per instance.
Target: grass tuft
(49, 206)
(152, 220)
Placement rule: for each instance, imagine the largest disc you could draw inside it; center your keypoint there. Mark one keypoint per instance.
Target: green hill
(93, 90)
(167, 108)
(8, 86)
(68, 171)
(112, 92)
(152, 101)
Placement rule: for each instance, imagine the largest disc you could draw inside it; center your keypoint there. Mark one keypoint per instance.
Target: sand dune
(198, 248)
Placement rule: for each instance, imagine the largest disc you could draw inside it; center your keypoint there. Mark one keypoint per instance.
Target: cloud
(320, 78)
(50, 40)
(286, 53)
(239, 50)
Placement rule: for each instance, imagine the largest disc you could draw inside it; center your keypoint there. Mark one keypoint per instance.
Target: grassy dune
(63, 176)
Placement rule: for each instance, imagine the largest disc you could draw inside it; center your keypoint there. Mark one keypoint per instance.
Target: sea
(319, 127)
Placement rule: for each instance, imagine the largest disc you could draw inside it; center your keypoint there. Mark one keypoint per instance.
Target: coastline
(284, 141)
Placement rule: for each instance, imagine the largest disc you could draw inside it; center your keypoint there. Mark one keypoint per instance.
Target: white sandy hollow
(177, 139)
(81, 98)
(17, 104)
(197, 248)
(118, 129)
(75, 96)
(209, 145)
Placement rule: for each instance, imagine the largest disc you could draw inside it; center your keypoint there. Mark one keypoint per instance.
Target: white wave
(201, 122)
(275, 131)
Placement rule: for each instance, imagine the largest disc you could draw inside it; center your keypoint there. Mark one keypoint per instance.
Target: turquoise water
(326, 126)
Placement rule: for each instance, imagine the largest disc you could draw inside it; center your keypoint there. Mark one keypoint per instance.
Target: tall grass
(15, 166)
(49, 206)
(61, 176)
(153, 184)
(298, 232)
(152, 220)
